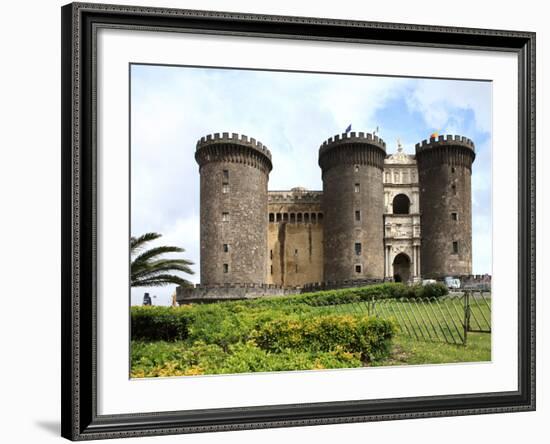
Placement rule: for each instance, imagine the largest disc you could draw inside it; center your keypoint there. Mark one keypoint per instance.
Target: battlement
(445, 140)
(235, 148)
(352, 148)
(351, 137)
(294, 196)
(235, 139)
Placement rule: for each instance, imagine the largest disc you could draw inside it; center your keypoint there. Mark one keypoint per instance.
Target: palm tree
(149, 270)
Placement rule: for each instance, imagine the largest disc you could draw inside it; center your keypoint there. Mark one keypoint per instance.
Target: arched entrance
(401, 204)
(401, 268)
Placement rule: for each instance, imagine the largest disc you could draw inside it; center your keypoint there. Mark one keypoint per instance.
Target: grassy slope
(162, 358)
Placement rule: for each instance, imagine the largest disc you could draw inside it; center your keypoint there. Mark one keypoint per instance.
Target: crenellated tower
(353, 206)
(234, 172)
(444, 172)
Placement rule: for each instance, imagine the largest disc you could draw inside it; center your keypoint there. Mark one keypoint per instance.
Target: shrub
(369, 336)
(159, 323)
(180, 359)
(434, 290)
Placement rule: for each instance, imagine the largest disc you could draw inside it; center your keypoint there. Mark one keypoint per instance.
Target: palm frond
(157, 251)
(137, 242)
(148, 270)
(161, 280)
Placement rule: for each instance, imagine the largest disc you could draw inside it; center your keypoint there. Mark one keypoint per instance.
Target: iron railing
(445, 319)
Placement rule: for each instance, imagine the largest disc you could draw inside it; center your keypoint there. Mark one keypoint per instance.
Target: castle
(396, 217)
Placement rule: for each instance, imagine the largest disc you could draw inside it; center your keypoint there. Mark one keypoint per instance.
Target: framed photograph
(275, 221)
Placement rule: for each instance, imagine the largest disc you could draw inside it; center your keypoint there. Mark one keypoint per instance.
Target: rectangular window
(452, 169)
(299, 217)
(455, 247)
(225, 188)
(295, 252)
(357, 215)
(225, 248)
(454, 216)
(358, 248)
(225, 217)
(271, 268)
(358, 268)
(225, 175)
(296, 268)
(285, 217)
(270, 254)
(226, 268)
(357, 188)
(271, 217)
(279, 217)
(453, 187)
(356, 168)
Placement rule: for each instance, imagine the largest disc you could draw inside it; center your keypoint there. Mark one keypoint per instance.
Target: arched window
(401, 204)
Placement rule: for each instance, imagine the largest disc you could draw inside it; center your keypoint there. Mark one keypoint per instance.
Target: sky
(291, 113)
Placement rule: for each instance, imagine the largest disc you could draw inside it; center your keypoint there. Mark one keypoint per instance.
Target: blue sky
(290, 113)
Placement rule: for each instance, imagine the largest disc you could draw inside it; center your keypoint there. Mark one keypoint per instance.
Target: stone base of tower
(231, 292)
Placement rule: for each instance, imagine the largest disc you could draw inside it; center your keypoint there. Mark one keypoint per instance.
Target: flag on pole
(348, 129)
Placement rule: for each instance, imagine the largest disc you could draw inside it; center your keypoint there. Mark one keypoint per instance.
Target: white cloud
(437, 99)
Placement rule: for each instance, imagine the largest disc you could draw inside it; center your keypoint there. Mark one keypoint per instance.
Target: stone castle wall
(295, 237)
(445, 168)
(233, 206)
(258, 243)
(353, 206)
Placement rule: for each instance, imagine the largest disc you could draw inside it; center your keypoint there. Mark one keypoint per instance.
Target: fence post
(466, 315)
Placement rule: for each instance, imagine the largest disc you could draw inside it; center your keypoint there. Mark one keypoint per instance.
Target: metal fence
(445, 319)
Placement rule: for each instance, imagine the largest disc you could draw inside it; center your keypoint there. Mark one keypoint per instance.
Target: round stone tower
(234, 172)
(353, 206)
(444, 172)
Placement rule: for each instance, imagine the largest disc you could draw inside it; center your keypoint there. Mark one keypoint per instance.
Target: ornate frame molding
(80, 22)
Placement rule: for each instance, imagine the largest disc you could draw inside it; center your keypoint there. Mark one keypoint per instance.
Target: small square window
(295, 252)
(226, 268)
(225, 217)
(454, 216)
(455, 247)
(225, 248)
(357, 215)
(357, 187)
(358, 268)
(452, 169)
(356, 168)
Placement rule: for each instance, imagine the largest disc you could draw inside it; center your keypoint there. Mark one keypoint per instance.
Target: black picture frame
(80, 420)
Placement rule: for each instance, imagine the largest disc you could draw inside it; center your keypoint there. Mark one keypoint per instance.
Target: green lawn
(407, 351)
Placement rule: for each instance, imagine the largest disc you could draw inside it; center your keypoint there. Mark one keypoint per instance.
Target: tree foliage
(149, 269)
